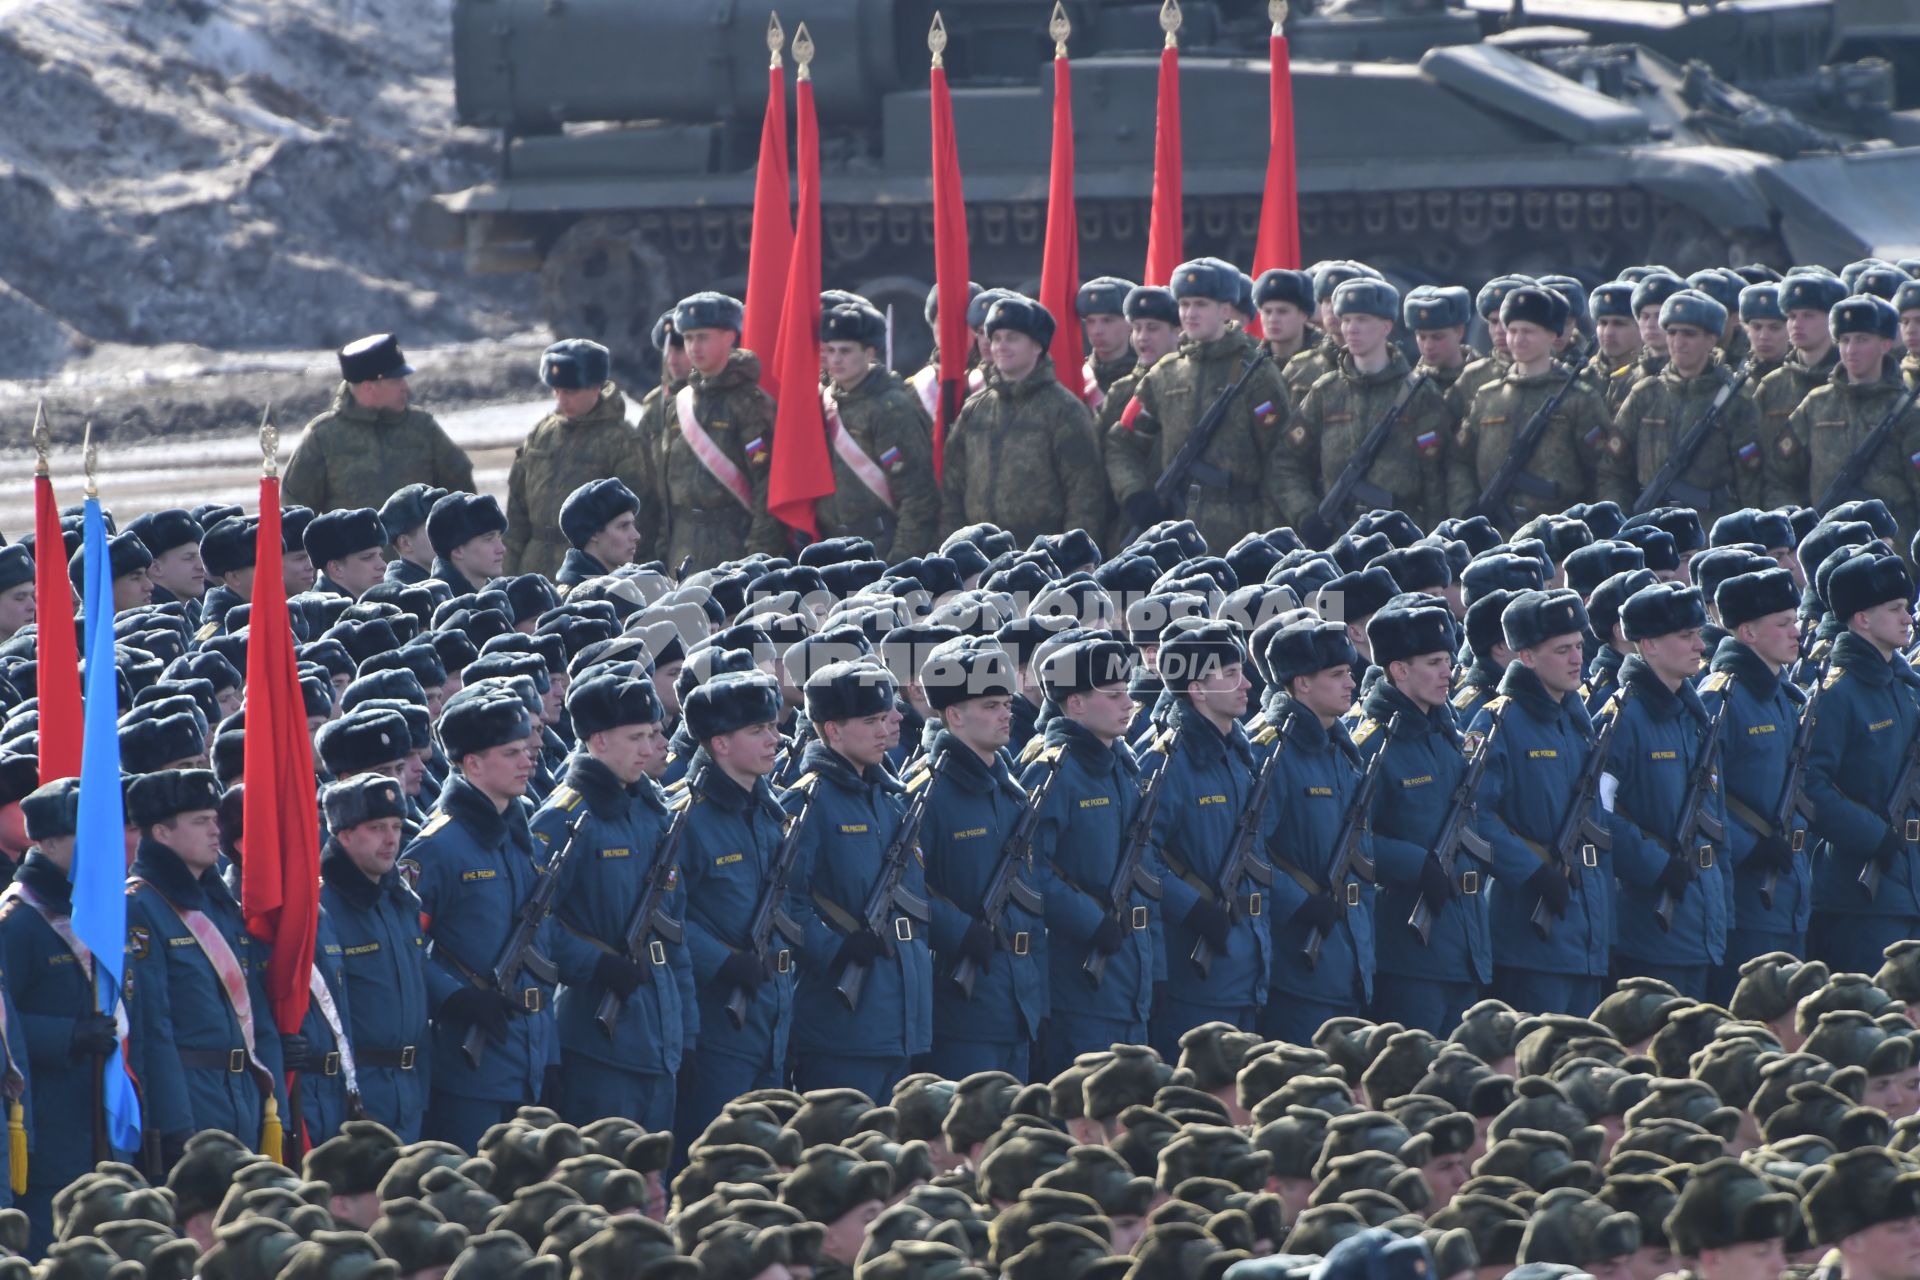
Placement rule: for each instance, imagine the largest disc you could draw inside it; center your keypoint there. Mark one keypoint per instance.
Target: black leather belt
(404, 1057)
(232, 1061)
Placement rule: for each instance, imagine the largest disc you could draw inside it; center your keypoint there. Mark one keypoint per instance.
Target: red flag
(57, 648)
(801, 472)
(280, 863)
(1060, 265)
(771, 245)
(949, 252)
(1279, 242)
(1163, 231)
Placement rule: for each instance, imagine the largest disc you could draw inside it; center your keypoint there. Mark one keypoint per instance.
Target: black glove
(94, 1035)
(1676, 876)
(1552, 888)
(1771, 853)
(550, 1087)
(1436, 886)
(859, 948)
(1316, 914)
(1108, 937)
(1210, 921)
(1143, 509)
(742, 969)
(1890, 847)
(295, 1055)
(473, 1007)
(618, 974)
(977, 943)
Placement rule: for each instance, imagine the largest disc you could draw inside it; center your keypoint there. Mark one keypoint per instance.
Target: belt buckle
(1589, 857)
(1139, 917)
(1913, 830)
(657, 951)
(783, 962)
(1022, 943)
(330, 1065)
(407, 1056)
(1799, 840)
(1705, 855)
(532, 1000)
(236, 1061)
(1253, 904)
(903, 929)
(1469, 883)
(1353, 893)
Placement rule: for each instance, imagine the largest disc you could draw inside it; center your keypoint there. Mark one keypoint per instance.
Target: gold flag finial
(937, 39)
(1170, 23)
(89, 458)
(775, 37)
(803, 51)
(1059, 28)
(42, 440)
(1277, 14)
(269, 443)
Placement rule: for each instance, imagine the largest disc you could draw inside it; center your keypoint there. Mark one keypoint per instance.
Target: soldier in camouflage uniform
(1650, 292)
(1022, 453)
(1284, 299)
(1723, 286)
(1616, 340)
(1906, 300)
(1807, 299)
(1833, 420)
(1237, 485)
(1567, 451)
(1343, 406)
(1101, 306)
(1311, 363)
(889, 497)
(1438, 320)
(1153, 315)
(1661, 410)
(1765, 325)
(715, 506)
(370, 442)
(1492, 366)
(585, 438)
(656, 408)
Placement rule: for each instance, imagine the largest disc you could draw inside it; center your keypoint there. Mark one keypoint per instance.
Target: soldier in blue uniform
(345, 546)
(404, 518)
(204, 1046)
(1479, 681)
(1662, 729)
(597, 520)
(1539, 734)
(1083, 826)
(975, 803)
(1426, 986)
(623, 815)
(1869, 714)
(1772, 888)
(1203, 665)
(1603, 611)
(1314, 784)
(477, 866)
(853, 816)
(375, 916)
(734, 832)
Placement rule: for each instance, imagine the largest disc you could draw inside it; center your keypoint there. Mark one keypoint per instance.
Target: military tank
(1443, 142)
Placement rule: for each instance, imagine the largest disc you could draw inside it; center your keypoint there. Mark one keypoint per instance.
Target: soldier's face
(1652, 336)
(179, 571)
(194, 835)
(1768, 338)
(864, 740)
(1528, 343)
(846, 362)
(749, 751)
(1775, 637)
(1689, 347)
(1153, 339)
(1861, 354)
(1221, 692)
(664, 676)
(1897, 1093)
(501, 773)
(1497, 336)
(355, 573)
(1557, 663)
(1105, 712)
(1425, 678)
(1441, 348)
(481, 558)
(1013, 354)
(675, 362)
(1807, 329)
(1106, 335)
(984, 724)
(1325, 693)
(1445, 1176)
(131, 591)
(708, 349)
(297, 573)
(1281, 321)
(1202, 319)
(1364, 335)
(616, 544)
(1883, 1252)
(390, 394)
(413, 772)
(572, 402)
(1616, 335)
(1676, 655)
(16, 608)
(372, 846)
(1755, 1260)
(630, 751)
(1910, 331)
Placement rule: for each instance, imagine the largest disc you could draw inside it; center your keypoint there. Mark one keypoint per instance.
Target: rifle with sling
(1578, 830)
(1666, 481)
(1697, 830)
(1903, 813)
(1512, 472)
(1243, 861)
(1350, 861)
(1847, 480)
(1170, 491)
(770, 912)
(1457, 836)
(1351, 485)
(1130, 873)
(889, 901)
(649, 928)
(1005, 886)
(1793, 801)
(520, 955)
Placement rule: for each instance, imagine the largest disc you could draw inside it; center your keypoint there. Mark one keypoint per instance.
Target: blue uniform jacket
(1313, 785)
(323, 1097)
(1538, 751)
(732, 838)
(1603, 678)
(1660, 736)
(972, 810)
(49, 988)
(1753, 762)
(476, 867)
(604, 880)
(1085, 819)
(1869, 712)
(1423, 766)
(1475, 688)
(849, 825)
(1210, 783)
(383, 951)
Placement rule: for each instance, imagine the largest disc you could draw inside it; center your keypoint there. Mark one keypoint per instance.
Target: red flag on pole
(949, 251)
(56, 647)
(1279, 242)
(1164, 231)
(771, 246)
(280, 862)
(1060, 264)
(801, 472)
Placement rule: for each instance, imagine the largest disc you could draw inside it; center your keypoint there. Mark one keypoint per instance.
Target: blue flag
(100, 850)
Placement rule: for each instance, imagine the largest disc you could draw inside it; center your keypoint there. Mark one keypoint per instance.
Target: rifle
(1667, 480)
(1847, 479)
(1186, 459)
(520, 955)
(1456, 835)
(649, 928)
(1243, 862)
(1578, 828)
(1351, 484)
(1793, 796)
(889, 898)
(1698, 830)
(1512, 472)
(1906, 800)
(1349, 857)
(1005, 885)
(770, 912)
(1129, 874)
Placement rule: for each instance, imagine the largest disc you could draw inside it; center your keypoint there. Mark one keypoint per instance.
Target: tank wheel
(603, 279)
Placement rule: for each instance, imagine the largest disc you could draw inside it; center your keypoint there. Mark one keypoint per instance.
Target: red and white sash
(1095, 397)
(317, 985)
(717, 463)
(62, 927)
(848, 450)
(226, 967)
(927, 383)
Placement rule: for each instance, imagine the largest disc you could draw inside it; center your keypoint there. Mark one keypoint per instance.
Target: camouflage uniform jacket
(1171, 399)
(1444, 379)
(559, 456)
(1658, 414)
(1476, 375)
(1823, 432)
(655, 409)
(1309, 365)
(1565, 455)
(1336, 416)
(1779, 395)
(1758, 371)
(1108, 372)
(1910, 368)
(1311, 336)
(703, 518)
(1023, 456)
(885, 418)
(354, 457)
(1615, 375)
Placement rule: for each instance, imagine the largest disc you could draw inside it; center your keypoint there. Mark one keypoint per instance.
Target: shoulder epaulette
(1716, 681)
(1833, 677)
(1051, 754)
(1159, 741)
(206, 633)
(1264, 736)
(1364, 730)
(680, 800)
(917, 781)
(434, 824)
(1464, 699)
(566, 797)
(805, 782)
(1610, 707)
(1031, 752)
(1497, 704)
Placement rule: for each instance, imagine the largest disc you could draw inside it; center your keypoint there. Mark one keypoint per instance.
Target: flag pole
(102, 1143)
(1164, 230)
(1060, 259)
(1279, 240)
